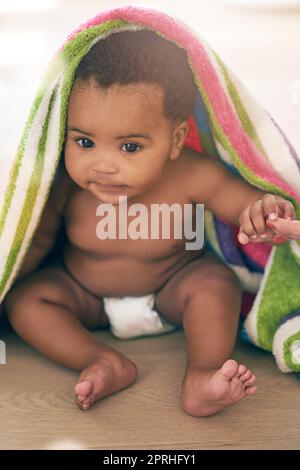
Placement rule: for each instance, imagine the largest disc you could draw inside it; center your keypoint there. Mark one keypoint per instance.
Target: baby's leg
(205, 297)
(53, 313)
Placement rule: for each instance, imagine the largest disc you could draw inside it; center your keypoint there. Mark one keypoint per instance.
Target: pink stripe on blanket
(258, 252)
(222, 107)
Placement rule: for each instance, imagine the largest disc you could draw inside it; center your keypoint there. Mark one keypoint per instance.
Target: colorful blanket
(227, 123)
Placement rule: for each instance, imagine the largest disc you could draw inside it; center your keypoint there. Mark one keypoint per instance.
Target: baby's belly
(123, 276)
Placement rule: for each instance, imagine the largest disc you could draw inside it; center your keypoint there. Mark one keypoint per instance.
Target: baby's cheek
(76, 171)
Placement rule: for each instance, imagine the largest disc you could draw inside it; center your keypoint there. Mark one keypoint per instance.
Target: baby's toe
(84, 404)
(250, 381)
(229, 369)
(84, 388)
(78, 402)
(246, 375)
(81, 398)
(250, 390)
(236, 388)
(241, 370)
(83, 392)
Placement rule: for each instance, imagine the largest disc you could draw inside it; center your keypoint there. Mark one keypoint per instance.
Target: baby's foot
(106, 375)
(205, 392)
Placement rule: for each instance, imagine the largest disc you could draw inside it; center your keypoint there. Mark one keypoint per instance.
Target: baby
(126, 127)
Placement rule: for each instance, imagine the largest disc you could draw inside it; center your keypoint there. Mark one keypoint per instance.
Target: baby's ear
(179, 134)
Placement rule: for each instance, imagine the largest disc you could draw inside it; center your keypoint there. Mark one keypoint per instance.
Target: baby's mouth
(110, 188)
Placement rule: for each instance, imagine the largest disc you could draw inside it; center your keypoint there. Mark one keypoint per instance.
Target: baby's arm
(223, 193)
(235, 200)
(49, 225)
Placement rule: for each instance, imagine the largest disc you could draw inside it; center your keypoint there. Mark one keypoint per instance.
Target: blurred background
(258, 39)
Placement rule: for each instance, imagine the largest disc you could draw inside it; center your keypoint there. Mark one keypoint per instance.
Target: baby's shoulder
(200, 171)
(191, 161)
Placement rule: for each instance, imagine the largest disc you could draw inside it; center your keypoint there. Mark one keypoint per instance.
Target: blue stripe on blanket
(227, 244)
(230, 250)
(295, 313)
(290, 147)
(201, 116)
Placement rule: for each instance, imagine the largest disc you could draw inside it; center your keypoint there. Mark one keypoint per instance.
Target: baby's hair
(142, 56)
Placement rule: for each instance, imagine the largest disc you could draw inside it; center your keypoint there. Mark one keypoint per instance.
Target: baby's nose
(104, 166)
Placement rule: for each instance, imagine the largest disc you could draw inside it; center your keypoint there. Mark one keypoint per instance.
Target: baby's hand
(254, 220)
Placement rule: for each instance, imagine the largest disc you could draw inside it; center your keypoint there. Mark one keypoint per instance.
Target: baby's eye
(131, 147)
(86, 140)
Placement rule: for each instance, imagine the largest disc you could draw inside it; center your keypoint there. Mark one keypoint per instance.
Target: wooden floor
(37, 409)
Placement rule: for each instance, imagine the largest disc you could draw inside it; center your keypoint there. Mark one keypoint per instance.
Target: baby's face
(119, 137)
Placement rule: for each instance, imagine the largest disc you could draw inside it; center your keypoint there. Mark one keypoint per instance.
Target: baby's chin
(123, 196)
(114, 199)
(108, 199)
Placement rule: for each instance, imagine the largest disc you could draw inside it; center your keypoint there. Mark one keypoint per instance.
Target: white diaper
(131, 317)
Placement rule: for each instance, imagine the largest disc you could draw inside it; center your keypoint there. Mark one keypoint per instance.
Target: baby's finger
(246, 225)
(257, 218)
(243, 238)
(265, 237)
(269, 204)
(288, 209)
